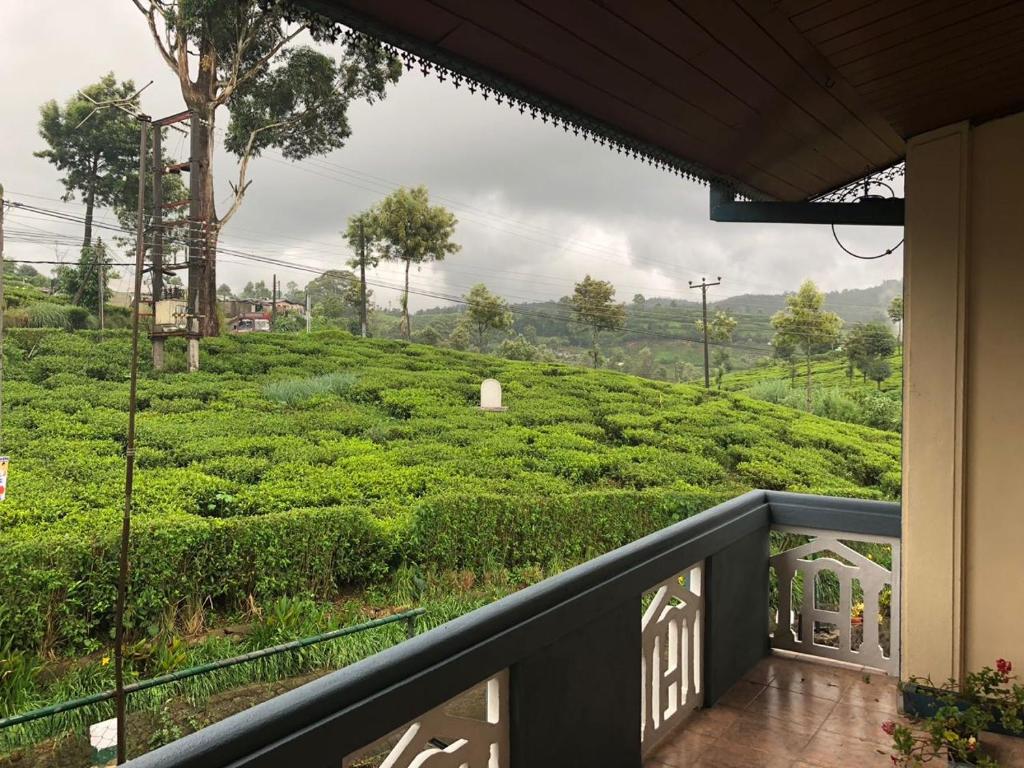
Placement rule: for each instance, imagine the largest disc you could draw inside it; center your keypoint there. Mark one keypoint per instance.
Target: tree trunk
(593, 349)
(90, 204)
(200, 98)
(406, 326)
(808, 380)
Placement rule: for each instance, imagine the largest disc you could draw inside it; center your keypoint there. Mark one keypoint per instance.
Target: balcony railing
(596, 665)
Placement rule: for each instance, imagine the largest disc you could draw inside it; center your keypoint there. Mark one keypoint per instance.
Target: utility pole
(159, 226)
(196, 245)
(157, 256)
(101, 268)
(364, 330)
(704, 285)
(120, 697)
(309, 316)
(273, 303)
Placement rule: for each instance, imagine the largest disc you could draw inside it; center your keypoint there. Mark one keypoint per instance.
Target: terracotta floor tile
(725, 755)
(833, 749)
(792, 706)
(859, 721)
(758, 731)
(874, 692)
(683, 748)
(816, 679)
(740, 695)
(763, 672)
(713, 721)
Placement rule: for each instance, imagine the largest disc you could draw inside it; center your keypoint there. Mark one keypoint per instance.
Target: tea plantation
(304, 465)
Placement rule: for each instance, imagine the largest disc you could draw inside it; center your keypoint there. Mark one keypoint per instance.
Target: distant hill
(854, 305)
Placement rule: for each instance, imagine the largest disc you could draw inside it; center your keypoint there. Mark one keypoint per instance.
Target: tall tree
(257, 290)
(895, 312)
(407, 228)
(97, 157)
(292, 98)
(335, 296)
(868, 345)
(806, 326)
(487, 312)
(361, 236)
(593, 304)
(224, 292)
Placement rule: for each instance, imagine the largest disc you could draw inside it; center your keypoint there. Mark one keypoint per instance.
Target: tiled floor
(799, 714)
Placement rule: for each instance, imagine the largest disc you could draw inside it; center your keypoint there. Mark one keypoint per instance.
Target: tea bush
(300, 465)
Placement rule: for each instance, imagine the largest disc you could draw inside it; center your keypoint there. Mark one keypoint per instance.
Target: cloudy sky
(537, 208)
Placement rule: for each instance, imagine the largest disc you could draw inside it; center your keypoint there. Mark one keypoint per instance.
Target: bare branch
(240, 188)
(150, 15)
(239, 80)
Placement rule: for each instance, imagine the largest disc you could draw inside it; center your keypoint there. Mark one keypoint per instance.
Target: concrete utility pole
(362, 280)
(704, 285)
(309, 316)
(101, 267)
(273, 303)
(196, 246)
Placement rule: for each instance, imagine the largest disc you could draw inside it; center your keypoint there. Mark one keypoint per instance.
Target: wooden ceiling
(785, 99)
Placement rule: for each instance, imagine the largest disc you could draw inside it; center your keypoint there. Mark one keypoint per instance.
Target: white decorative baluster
(440, 739)
(672, 662)
(873, 578)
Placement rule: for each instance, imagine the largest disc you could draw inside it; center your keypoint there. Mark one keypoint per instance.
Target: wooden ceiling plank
(770, 44)
(494, 52)
(618, 37)
(945, 25)
(810, 18)
(817, 148)
(934, 73)
(987, 74)
(534, 34)
(1005, 20)
(880, 14)
(423, 20)
(984, 104)
(905, 23)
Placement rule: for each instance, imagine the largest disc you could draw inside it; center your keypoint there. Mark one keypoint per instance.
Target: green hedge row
(57, 587)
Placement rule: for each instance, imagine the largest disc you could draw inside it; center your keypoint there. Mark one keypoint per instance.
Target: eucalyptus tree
(244, 55)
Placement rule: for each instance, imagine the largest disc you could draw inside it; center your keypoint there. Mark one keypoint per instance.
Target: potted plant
(951, 717)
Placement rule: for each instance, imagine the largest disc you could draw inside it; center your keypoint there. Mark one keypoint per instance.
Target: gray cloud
(538, 208)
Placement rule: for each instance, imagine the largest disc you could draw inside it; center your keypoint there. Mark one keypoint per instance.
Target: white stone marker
(103, 738)
(490, 396)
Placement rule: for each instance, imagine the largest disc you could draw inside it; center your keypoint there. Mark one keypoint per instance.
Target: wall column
(933, 423)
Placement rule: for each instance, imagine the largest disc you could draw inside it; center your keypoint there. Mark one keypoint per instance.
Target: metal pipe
(184, 674)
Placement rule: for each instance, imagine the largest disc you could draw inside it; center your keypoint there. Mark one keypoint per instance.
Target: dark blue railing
(568, 651)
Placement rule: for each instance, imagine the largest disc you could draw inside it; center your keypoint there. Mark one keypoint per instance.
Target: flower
(1004, 667)
(889, 727)
(971, 744)
(104, 661)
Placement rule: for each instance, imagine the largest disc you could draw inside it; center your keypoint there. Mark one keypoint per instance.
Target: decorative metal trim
(873, 577)
(439, 739)
(673, 655)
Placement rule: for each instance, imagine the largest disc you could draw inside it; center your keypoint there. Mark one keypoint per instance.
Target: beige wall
(963, 565)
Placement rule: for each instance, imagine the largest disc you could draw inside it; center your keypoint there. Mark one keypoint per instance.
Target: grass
(295, 391)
